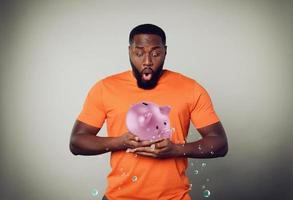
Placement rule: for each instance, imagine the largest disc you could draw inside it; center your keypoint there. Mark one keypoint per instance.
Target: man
(148, 169)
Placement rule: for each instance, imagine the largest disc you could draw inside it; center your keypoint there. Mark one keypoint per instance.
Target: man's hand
(163, 148)
(129, 141)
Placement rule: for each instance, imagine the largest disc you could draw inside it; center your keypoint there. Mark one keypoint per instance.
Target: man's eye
(156, 54)
(139, 54)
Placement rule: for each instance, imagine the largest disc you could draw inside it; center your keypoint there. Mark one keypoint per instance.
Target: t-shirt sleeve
(93, 112)
(202, 113)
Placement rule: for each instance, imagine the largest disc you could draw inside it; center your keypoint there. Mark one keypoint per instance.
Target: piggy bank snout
(165, 131)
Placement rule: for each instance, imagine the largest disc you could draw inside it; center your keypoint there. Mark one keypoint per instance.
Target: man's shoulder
(116, 78)
(182, 78)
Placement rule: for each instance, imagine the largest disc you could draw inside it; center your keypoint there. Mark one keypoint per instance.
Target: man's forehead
(147, 40)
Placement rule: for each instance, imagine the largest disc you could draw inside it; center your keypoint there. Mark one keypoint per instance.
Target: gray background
(52, 52)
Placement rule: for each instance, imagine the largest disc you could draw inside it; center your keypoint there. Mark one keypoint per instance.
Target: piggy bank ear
(144, 119)
(165, 109)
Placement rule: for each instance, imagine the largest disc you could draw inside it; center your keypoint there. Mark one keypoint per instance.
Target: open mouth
(147, 74)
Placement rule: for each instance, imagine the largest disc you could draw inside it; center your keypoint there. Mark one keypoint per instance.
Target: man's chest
(119, 101)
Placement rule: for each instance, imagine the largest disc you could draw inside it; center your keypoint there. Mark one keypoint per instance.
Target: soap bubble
(190, 186)
(203, 164)
(191, 163)
(203, 187)
(212, 152)
(206, 193)
(196, 171)
(207, 179)
(134, 178)
(94, 192)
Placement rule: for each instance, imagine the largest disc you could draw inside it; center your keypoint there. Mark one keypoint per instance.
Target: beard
(152, 82)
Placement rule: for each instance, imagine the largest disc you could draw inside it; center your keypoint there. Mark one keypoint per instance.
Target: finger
(136, 138)
(147, 143)
(162, 144)
(134, 144)
(129, 150)
(144, 149)
(150, 142)
(146, 154)
(158, 140)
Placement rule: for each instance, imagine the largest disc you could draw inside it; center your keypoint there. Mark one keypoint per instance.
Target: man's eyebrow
(155, 47)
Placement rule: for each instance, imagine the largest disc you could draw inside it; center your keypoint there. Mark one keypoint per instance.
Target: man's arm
(84, 141)
(213, 144)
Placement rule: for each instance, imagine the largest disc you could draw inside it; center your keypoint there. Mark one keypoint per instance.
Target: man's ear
(129, 49)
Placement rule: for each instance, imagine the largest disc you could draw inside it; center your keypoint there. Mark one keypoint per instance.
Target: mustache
(148, 70)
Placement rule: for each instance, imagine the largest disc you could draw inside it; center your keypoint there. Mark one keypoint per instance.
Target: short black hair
(147, 29)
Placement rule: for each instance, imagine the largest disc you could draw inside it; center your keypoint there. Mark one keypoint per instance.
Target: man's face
(147, 54)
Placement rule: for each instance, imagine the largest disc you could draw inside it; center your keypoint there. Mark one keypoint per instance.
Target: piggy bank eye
(157, 127)
(165, 123)
(145, 103)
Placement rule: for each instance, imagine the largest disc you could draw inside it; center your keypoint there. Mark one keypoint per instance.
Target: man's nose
(147, 61)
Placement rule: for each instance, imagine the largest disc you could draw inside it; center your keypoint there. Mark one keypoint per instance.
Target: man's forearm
(87, 144)
(208, 147)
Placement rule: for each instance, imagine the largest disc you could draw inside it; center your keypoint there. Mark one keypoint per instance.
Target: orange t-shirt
(141, 177)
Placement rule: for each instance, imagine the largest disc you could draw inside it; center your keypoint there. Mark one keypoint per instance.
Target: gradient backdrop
(52, 52)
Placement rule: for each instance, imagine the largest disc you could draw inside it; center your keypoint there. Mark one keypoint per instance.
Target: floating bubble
(203, 164)
(196, 171)
(212, 152)
(203, 187)
(191, 163)
(184, 154)
(206, 193)
(190, 186)
(212, 147)
(94, 192)
(134, 178)
(207, 179)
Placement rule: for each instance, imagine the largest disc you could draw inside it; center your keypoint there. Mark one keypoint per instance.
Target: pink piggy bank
(149, 121)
